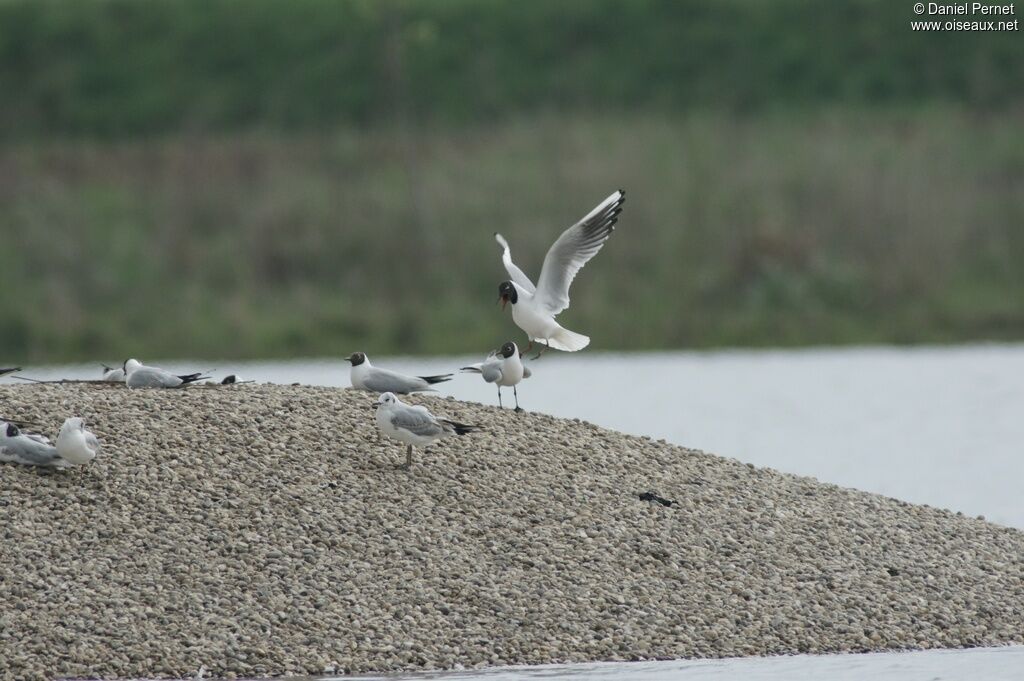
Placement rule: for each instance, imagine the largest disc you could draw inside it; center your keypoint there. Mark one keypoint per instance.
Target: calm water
(940, 426)
(980, 664)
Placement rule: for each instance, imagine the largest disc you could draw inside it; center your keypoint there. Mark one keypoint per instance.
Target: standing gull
(413, 425)
(534, 307)
(365, 376)
(502, 367)
(137, 375)
(76, 444)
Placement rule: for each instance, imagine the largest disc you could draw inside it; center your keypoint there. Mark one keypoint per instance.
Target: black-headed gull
(534, 307)
(137, 375)
(26, 449)
(413, 425)
(365, 376)
(502, 367)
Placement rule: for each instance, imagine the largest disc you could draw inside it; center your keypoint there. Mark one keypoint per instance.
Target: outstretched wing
(573, 249)
(517, 274)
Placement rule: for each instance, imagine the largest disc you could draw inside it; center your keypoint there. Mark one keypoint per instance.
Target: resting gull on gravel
(137, 375)
(113, 374)
(365, 376)
(75, 446)
(28, 449)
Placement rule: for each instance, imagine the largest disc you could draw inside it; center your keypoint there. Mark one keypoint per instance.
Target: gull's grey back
(29, 450)
(151, 377)
(385, 381)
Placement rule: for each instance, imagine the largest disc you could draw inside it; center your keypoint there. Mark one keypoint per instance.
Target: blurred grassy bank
(114, 68)
(831, 226)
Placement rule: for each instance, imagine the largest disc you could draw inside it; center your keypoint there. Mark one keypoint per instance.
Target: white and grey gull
(414, 425)
(28, 449)
(534, 307)
(365, 376)
(75, 446)
(503, 367)
(138, 375)
(113, 374)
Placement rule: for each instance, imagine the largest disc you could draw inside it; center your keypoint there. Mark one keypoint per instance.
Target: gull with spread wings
(534, 307)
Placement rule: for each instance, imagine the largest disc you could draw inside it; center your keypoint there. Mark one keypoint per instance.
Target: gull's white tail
(567, 341)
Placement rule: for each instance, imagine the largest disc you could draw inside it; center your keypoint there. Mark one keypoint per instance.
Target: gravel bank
(259, 530)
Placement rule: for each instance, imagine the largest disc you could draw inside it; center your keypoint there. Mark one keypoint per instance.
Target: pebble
(263, 530)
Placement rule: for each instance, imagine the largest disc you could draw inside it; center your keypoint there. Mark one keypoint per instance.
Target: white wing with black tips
(573, 250)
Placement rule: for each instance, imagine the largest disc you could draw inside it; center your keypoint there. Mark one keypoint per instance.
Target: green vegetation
(774, 230)
(255, 178)
(126, 67)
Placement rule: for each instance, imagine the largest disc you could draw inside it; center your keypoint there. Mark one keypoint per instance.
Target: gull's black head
(508, 349)
(12, 430)
(507, 293)
(356, 358)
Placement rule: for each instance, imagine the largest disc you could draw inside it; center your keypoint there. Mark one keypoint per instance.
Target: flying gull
(534, 307)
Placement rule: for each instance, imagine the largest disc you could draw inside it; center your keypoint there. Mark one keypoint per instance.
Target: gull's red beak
(503, 300)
